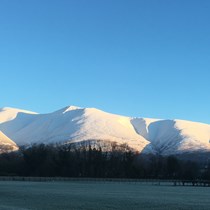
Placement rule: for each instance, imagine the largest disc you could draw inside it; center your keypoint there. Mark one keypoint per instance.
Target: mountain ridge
(75, 124)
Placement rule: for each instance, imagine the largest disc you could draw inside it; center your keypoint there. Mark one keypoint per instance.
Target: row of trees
(86, 161)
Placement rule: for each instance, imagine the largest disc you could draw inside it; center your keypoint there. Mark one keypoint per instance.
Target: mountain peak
(67, 109)
(70, 108)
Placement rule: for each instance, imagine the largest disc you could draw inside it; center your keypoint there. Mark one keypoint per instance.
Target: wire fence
(205, 183)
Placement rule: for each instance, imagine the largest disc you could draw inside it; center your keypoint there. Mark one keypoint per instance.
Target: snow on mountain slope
(13, 120)
(141, 125)
(75, 124)
(7, 113)
(196, 135)
(6, 144)
(174, 136)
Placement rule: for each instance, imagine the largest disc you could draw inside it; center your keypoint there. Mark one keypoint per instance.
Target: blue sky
(138, 58)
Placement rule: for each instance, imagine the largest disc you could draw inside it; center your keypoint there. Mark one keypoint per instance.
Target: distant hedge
(88, 161)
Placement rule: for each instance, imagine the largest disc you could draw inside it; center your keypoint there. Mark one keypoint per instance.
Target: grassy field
(99, 195)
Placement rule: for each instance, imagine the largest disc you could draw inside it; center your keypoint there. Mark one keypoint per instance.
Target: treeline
(86, 161)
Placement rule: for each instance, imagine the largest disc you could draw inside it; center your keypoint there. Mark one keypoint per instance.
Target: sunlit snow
(75, 124)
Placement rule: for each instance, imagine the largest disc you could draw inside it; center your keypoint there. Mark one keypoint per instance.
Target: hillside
(6, 144)
(75, 124)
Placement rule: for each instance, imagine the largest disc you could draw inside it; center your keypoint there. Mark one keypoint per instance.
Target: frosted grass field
(99, 195)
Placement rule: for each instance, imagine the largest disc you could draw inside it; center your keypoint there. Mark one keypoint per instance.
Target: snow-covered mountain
(6, 144)
(75, 124)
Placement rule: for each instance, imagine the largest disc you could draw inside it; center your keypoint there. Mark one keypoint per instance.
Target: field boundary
(205, 183)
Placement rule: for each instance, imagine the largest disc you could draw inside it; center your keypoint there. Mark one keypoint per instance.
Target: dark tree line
(87, 161)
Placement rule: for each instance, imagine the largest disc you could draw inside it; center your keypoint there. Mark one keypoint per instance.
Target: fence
(205, 183)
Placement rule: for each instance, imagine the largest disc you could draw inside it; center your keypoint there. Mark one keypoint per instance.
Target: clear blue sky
(144, 58)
